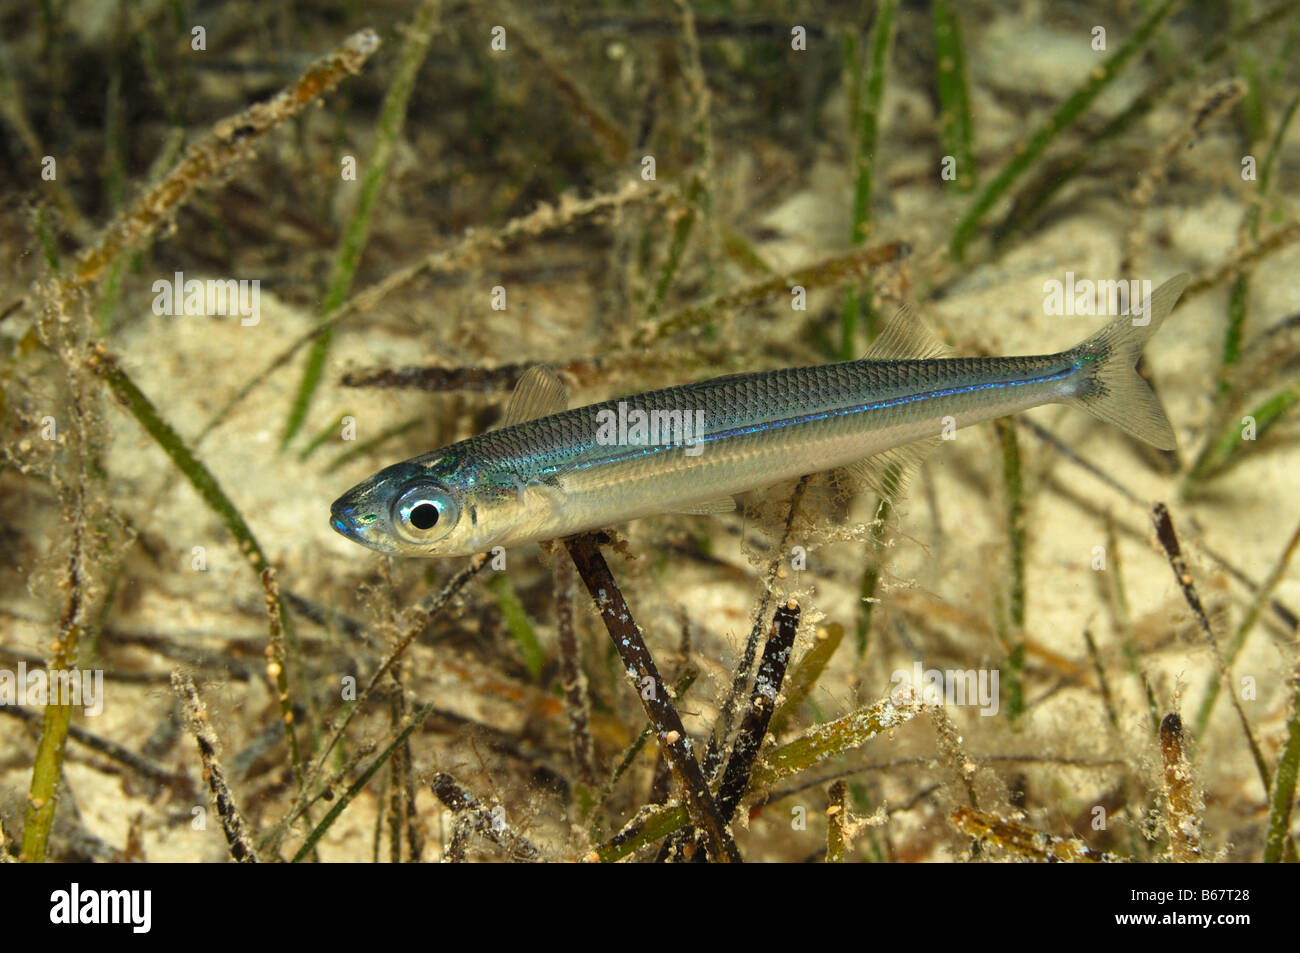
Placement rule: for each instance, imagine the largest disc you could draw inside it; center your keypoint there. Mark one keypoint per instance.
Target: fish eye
(425, 513)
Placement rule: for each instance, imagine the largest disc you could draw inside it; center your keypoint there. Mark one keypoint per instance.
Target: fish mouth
(351, 521)
(341, 520)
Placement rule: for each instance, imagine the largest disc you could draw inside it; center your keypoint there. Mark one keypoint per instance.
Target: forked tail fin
(1109, 386)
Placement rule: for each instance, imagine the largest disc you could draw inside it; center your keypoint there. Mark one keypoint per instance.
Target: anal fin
(888, 473)
(725, 504)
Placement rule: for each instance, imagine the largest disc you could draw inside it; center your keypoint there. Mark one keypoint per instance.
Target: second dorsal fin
(539, 393)
(905, 337)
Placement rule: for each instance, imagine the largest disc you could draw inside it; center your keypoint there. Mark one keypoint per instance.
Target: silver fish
(550, 472)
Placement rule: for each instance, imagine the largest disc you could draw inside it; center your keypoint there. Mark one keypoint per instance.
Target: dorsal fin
(539, 393)
(905, 337)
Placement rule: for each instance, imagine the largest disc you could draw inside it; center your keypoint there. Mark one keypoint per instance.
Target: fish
(550, 471)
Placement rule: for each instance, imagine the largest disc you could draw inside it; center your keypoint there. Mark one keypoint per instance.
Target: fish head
(427, 506)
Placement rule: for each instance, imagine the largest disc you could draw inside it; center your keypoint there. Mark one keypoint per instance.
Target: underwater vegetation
(258, 253)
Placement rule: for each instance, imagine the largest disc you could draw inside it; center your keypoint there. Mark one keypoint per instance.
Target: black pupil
(424, 516)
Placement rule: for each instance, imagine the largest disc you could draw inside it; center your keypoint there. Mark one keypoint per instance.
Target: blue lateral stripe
(631, 452)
